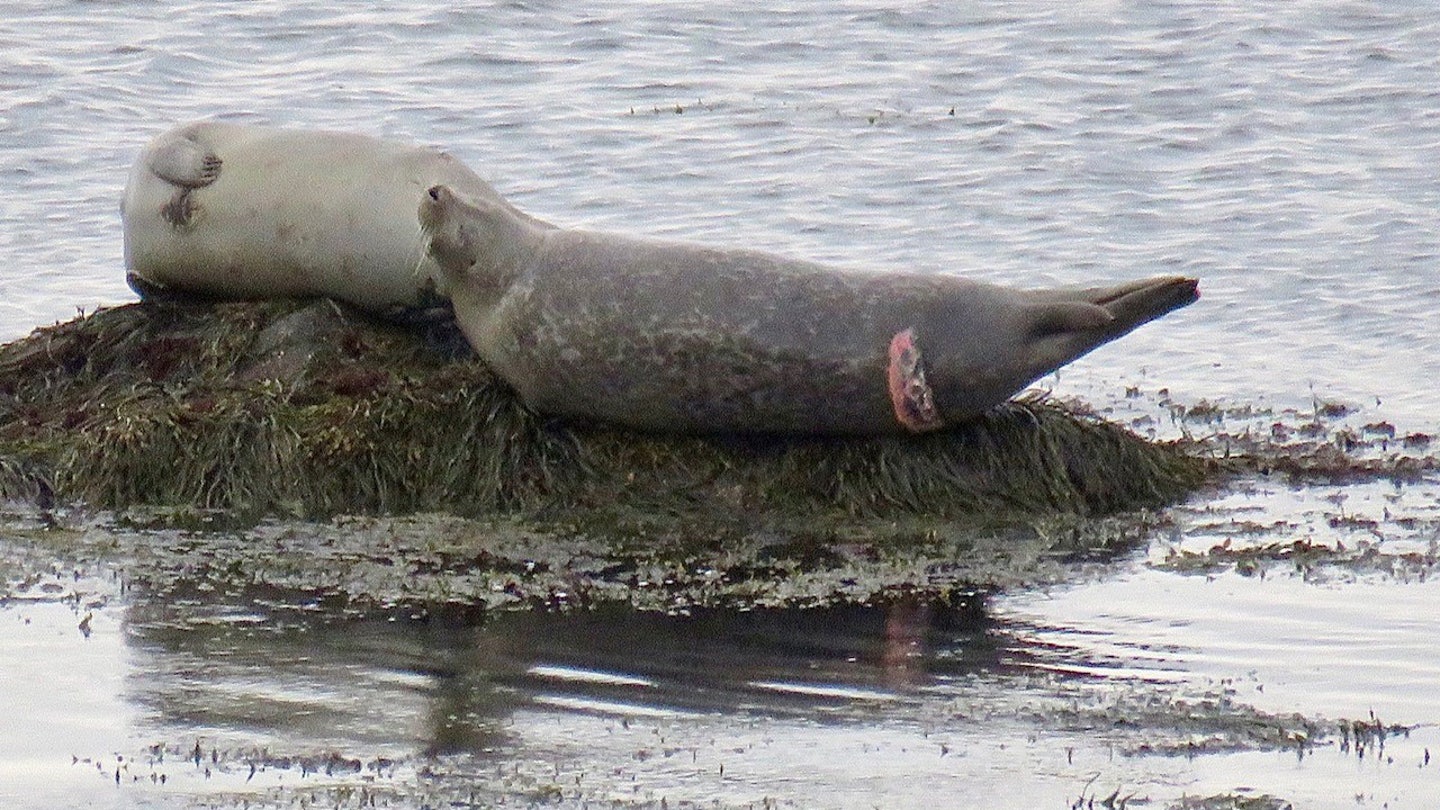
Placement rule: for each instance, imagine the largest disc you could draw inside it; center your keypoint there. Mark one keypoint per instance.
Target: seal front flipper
(187, 165)
(183, 162)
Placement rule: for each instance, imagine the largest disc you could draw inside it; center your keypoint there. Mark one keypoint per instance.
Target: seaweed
(312, 409)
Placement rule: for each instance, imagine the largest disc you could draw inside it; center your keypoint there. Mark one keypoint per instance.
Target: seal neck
(515, 239)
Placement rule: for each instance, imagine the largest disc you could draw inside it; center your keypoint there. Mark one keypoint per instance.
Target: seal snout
(449, 239)
(432, 206)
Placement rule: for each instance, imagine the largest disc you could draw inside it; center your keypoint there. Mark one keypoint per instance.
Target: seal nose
(432, 207)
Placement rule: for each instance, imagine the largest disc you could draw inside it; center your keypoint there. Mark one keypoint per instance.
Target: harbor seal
(667, 336)
(238, 211)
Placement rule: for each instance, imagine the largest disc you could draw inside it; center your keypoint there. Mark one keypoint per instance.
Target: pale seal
(239, 211)
(666, 336)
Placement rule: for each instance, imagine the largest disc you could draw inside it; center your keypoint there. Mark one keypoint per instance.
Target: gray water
(1288, 155)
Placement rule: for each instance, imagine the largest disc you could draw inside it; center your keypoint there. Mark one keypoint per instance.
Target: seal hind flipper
(1065, 327)
(1132, 303)
(1067, 316)
(1143, 301)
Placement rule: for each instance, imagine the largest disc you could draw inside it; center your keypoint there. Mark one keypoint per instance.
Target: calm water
(1286, 154)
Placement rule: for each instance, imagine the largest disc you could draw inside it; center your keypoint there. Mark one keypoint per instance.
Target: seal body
(675, 337)
(238, 211)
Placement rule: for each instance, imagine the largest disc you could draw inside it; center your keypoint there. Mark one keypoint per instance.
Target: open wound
(910, 394)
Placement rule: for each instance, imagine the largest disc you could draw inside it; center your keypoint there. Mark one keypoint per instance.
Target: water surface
(1288, 156)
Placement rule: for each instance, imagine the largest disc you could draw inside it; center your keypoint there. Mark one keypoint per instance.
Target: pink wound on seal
(910, 394)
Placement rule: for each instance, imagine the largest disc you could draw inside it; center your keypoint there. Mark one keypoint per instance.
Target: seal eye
(435, 193)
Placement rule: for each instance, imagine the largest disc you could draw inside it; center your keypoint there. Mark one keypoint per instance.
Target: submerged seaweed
(312, 409)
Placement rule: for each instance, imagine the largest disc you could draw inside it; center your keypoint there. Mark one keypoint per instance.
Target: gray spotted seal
(666, 336)
(239, 211)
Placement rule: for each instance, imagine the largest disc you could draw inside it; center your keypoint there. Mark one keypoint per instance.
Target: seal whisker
(421, 249)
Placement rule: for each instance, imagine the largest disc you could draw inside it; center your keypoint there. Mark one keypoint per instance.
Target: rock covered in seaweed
(311, 408)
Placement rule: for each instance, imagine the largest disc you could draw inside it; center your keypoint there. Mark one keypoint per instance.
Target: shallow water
(1288, 156)
(1048, 697)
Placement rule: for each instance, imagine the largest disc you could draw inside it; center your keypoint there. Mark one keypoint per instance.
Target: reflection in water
(265, 695)
(449, 684)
